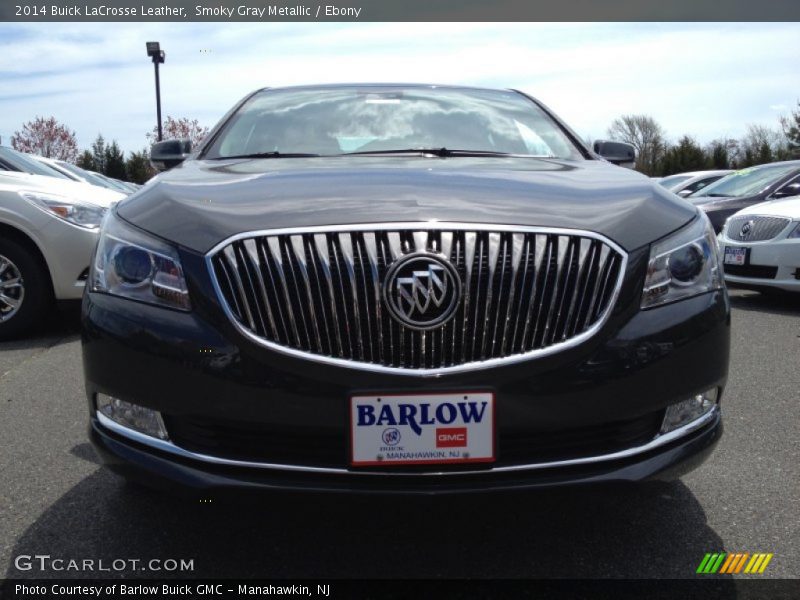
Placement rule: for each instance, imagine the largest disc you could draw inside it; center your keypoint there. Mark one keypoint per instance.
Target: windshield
(746, 182)
(16, 161)
(88, 176)
(673, 180)
(340, 120)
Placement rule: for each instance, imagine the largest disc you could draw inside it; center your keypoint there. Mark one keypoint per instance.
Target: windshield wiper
(716, 196)
(441, 152)
(273, 154)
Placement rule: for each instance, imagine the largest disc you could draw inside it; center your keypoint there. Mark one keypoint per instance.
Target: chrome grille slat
(321, 246)
(583, 250)
(274, 249)
(602, 262)
(346, 245)
(565, 264)
(299, 251)
(319, 292)
(762, 228)
(342, 294)
(233, 263)
(522, 287)
(371, 246)
(470, 240)
(263, 253)
(494, 243)
(543, 245)
(252, 251)
(478, 291)
(590, 265)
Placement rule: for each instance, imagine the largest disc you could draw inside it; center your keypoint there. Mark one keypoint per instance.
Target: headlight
(132, 264)
(77, 212)
(683, 265)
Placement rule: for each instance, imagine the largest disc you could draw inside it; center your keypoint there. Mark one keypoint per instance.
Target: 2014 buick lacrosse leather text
(402, 288)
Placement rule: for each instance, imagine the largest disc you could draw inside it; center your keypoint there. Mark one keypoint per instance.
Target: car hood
(19, 182)
(707, 201)
(201, 203)
(785, 207)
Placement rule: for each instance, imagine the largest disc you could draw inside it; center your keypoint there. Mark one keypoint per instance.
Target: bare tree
(180, 129)
(791, 131)
(763, 140)
(646, 135)
(46, 137)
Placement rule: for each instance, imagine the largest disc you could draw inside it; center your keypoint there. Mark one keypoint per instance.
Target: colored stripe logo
(734, 562)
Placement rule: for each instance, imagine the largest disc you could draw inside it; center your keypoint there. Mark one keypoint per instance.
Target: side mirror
(793, 189)
(619, 153)
(169, 153)
(685, 193)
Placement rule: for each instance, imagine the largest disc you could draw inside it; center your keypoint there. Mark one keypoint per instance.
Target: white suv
(48, 231)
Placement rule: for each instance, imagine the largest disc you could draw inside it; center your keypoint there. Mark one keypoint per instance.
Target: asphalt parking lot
(55, 499)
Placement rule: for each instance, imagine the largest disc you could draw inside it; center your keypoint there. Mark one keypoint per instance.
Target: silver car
(760, 246)
(48, 230)
(686, 184)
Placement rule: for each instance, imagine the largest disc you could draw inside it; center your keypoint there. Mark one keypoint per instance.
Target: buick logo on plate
(422, 290)
(746, 229)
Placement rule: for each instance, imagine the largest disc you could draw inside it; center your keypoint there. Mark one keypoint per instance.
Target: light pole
(157, 55)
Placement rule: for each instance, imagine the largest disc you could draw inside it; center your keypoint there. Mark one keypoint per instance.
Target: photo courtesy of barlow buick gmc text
(399, 300)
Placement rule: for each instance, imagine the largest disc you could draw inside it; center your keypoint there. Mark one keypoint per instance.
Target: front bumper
(190, 365)
(774, 264)
(141, 463)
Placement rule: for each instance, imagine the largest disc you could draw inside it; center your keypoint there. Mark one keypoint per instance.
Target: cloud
(705, 79)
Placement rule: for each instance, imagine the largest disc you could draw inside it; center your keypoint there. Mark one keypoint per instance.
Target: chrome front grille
(754, 228)
(322, 292)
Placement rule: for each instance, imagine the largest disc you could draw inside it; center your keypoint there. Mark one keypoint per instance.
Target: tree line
(51, 139)
(655, 154)
(657, 157)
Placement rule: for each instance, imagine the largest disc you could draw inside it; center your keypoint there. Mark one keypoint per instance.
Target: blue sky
(705, 79)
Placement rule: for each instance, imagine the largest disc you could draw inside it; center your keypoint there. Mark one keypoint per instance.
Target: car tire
(32, 295)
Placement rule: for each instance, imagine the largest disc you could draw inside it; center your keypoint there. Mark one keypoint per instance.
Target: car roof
(788, 163)
(328, 86)
(694, 174)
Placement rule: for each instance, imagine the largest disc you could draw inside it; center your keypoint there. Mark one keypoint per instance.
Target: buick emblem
(422, 290)
(746, 229)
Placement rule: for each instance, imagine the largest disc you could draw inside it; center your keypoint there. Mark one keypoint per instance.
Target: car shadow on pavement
(652, 531)
(62, 323)
(774, 302)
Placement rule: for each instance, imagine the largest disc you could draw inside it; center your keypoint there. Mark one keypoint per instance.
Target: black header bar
(397, 10)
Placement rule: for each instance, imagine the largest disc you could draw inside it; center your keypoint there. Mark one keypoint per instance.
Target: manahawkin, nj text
(241, 12)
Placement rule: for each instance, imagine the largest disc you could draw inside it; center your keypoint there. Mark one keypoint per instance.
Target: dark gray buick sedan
(402, 288)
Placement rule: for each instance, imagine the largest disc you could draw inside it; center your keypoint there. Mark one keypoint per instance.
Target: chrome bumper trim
(169, 447)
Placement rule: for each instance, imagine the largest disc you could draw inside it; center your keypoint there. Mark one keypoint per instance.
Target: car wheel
(24, 290)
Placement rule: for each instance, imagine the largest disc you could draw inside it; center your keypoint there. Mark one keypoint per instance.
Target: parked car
(761, 246)
(48, 230)
(11, 160)
(686, 184)
(747, 187)
(76, 173)
(115, 184)
(402, 289)
(671, 180)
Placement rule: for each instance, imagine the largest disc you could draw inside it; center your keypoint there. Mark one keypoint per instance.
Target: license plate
(735, 256)
(419, 429)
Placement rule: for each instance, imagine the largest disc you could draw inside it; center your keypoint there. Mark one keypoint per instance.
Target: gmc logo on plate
(451, 437)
